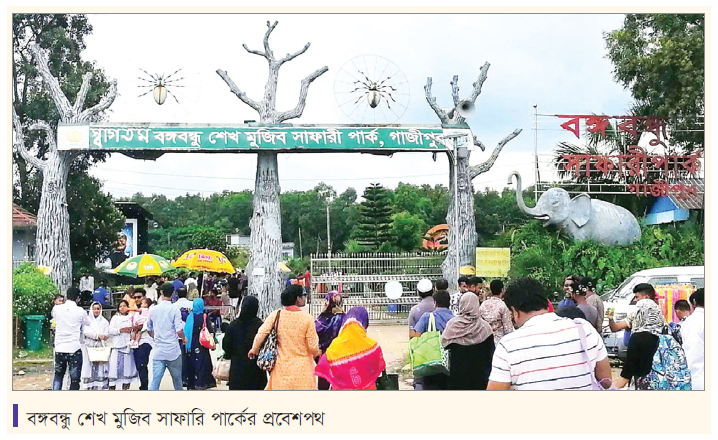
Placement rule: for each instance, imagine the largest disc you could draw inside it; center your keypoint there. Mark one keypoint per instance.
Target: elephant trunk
(533, 212)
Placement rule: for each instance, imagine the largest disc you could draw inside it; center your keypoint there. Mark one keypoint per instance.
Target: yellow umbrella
(283, 267)
(204, 260)
(144, 265)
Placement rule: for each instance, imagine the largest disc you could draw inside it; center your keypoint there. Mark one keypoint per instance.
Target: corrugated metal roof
(22, 218)
(684, 200)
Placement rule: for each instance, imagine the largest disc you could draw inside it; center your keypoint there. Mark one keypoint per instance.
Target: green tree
(94, 219)
(661, 59)
(32, 291)
(51, 84)
(63, 37)
(408, 231)
(374, 226)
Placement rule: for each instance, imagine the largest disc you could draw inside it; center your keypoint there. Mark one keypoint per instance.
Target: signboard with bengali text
(493, 262)
(249, 138)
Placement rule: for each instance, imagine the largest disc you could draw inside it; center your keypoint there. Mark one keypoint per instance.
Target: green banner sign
(249, 138)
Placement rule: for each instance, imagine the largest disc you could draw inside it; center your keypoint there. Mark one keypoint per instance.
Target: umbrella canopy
(204, 260)
(283, 267)
(144, 265)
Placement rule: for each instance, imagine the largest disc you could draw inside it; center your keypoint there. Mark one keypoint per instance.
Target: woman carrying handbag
(96, 351)
(297, 343)
(198, 330)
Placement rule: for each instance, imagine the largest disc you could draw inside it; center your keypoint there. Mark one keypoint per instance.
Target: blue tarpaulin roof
(665, 211)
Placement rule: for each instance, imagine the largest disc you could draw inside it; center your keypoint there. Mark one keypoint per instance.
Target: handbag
(221, 370)
(99, 354)
(267, 356)
(427, 356)
(387, 381)
(595, 384)
(205, 337)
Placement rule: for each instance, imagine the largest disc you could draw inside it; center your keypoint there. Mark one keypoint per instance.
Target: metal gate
(361, 278)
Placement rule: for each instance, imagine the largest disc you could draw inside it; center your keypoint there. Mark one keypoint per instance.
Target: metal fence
(361, 278)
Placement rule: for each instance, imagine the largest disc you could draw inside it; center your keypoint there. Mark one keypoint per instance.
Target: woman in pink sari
(353, 361)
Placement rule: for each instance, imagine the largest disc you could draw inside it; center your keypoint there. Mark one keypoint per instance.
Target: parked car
(621, 298)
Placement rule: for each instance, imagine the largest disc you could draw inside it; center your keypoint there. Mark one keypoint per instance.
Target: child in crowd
(140, 319)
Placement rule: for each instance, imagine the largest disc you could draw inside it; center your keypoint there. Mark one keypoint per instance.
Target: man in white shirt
(69, 321)
(191, 280)
(693, 335)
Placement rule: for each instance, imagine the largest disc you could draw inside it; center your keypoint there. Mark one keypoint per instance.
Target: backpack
(670, 368)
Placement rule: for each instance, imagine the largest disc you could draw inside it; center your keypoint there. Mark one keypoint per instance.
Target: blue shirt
(442, 315)
(177, 284)
(165, 321)
(100, 295)
(566, 303)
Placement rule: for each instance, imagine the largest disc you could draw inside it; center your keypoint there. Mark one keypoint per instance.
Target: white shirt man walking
(166, 324)
(693, 335)
(69, 321)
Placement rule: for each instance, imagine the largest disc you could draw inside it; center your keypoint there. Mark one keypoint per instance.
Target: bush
(549, 257)
(32, 291)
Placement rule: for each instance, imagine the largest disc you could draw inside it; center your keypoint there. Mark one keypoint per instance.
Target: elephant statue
(580, 217)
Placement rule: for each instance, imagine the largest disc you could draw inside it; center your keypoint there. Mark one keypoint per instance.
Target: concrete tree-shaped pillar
(266, 223)
(462, 228)
(53, 220)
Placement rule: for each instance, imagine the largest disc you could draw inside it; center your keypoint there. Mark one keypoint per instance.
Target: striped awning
(688, 201)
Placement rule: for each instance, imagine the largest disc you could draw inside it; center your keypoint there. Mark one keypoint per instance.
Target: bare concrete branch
(455, 90)
(51, 83)
(479, 144)
(234, 89)
(268, 51)
(82, 94)
(290, 57)
(304, 89)
(443, 117)
(101, 106)
(256, 52)
(479, 83)
(19, 143)
(486, 166)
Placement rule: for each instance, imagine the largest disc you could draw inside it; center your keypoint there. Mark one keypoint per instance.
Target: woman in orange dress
(297, 343)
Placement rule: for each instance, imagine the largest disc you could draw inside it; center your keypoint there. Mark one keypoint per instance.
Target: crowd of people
(491, 336)
(499, 339)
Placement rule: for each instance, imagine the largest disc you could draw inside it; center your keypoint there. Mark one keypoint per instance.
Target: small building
(242, 241)
(24, 232)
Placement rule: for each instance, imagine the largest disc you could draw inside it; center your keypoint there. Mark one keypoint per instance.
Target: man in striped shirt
(546, 351)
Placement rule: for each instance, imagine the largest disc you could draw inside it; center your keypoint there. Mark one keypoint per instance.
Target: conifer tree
(374, 225)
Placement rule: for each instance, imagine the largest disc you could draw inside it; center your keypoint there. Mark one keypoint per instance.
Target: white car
(621, 299)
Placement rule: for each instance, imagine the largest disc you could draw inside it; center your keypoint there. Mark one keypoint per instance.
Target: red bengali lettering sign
(656, 126)
(571, 125)
(597, 124)
(692, 165)
(573, 161)
(604, 164)
(630, 125)
(204, 257)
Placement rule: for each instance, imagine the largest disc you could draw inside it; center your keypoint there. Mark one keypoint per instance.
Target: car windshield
(615, 294)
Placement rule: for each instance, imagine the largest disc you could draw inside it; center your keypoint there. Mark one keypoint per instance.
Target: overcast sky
(555, 61)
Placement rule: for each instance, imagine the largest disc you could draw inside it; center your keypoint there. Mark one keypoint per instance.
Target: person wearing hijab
(122, 364)
(470, 342)
(196, 358)
(353, 361)
(95, 375)
(328, 324)
(244, 374)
